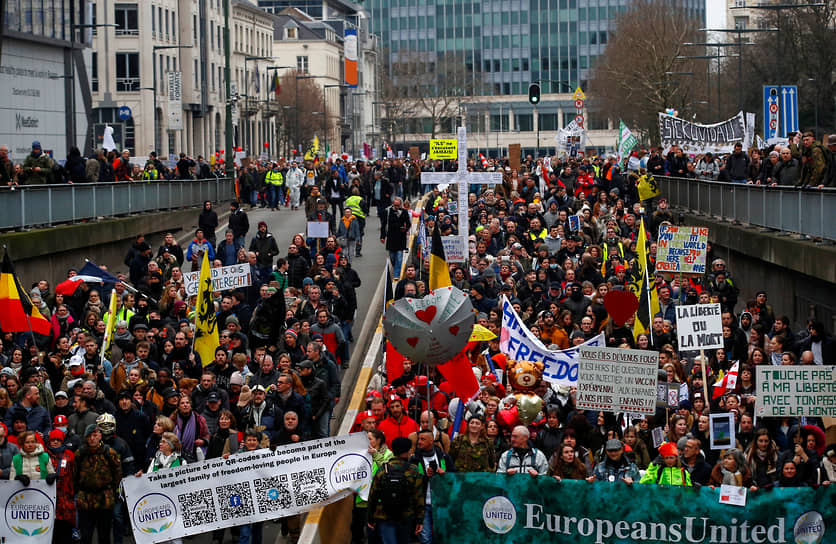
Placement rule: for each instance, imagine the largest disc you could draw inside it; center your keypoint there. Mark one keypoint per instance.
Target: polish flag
(727, 383)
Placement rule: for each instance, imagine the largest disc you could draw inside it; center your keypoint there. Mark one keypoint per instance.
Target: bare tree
(639, 74)
(299, 124)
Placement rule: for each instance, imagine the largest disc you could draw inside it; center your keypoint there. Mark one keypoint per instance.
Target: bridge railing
(803, 211)
(47, 205)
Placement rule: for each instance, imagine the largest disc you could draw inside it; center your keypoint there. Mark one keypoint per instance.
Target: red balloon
(238, 149)
(294, 151)
(344, 157)
(221, 161)
(222, 151)
(217, 154)
(266, 144)
(508, 418)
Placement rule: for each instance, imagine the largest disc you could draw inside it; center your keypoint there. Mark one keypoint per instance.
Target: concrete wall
(48, 253)
(799, 276)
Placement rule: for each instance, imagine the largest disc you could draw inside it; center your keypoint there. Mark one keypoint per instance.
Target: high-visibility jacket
(274, 178)
(353, 203)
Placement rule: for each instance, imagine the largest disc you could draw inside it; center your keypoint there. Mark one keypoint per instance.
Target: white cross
(455, 248)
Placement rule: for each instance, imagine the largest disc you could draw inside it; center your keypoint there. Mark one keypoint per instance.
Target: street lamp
(816, 111)
(154, 50)
(274, 68)
(355, 121)
(296, 98)
(248, 132)
(740, 44)
(718, 56)
(325, 111)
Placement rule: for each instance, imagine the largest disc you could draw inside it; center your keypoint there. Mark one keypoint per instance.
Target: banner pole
(704, 378)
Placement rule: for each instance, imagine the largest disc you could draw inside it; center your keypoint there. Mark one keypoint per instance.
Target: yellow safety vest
(353, 202)
(274, 178)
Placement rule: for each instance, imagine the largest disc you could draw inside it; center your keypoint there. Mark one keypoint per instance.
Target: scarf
(731, 478)
(187, 432)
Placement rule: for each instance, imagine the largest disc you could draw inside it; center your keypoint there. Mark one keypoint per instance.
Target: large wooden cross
(456, 247)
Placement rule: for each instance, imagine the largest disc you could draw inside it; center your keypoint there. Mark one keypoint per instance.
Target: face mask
(552, 265)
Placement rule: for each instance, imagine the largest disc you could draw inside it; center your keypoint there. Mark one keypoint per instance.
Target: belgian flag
(17, 313)
(439, 273)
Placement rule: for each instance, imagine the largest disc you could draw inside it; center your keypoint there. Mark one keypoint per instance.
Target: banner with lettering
(247, 487)
(28, 512)
(695, 138)
(486, 508)
(224, 278)
(517, 342)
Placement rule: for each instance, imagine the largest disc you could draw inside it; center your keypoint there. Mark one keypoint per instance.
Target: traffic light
(534, 93)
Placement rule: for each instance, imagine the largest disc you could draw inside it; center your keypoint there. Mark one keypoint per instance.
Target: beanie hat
(401, 445)
(668, 448)
(236, 379)
(56, 434)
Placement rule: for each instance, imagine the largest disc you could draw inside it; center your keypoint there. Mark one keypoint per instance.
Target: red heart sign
(426, 315)
(621, 305)
(454, 330)
(412, 341)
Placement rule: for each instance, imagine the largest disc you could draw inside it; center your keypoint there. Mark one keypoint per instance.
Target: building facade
(43, 77)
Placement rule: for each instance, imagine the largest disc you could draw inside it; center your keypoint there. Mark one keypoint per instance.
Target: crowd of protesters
(150, 402)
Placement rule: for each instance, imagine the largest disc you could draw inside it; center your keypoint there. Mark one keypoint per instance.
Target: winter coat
(396, 224)
(265, 248)
(239, 223)
(63, 461)
(531, 458)
(664, 475)
(36, 465)
(41, 161)
(7, 452)
(607, 470)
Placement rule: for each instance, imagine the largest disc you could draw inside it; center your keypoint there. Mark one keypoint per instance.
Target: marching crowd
(554, 238)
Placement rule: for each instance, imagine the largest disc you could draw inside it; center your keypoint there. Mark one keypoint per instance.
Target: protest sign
(29, 512)
(617, 380)
(443, 149)
(223, 278)
(517, 342)
(694, 138)
(514, 156)
(318, 229)
(699, 326)
(796, 391)
(490, 507)
(247, 487)
(732, 494)
(681, 249)
(721, 431)
(414, 153)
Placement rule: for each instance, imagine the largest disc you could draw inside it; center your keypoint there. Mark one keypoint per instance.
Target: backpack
(395, 491)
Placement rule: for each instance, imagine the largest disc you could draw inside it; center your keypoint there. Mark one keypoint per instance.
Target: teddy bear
(523, 377)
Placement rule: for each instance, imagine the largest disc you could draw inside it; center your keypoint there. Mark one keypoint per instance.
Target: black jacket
(265, 247)
(395, 228)
(239, 223)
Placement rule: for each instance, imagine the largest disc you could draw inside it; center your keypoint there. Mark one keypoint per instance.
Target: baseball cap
(614, 444)
(214, 397)
(259, 388)
(307, 363)
(61, 394)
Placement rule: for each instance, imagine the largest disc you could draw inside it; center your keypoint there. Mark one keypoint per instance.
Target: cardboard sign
(795, 391)
(317, 229)
(681, 249)
(223, 279)
(515, 156)
(575, 223)
(414, 153)
(617, 380)
(444, 149)
(699, 326)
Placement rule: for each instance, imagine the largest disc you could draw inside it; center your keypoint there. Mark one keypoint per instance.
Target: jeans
(273, 195)
(90, 521)
(351, 250)
(426, 535)
(394, 532)
(322, 426)
(253, 531)
(118, 522)
(240, 241)
(396, 258)
(254, 197)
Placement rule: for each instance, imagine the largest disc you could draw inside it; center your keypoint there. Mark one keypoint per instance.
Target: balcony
(127, 84)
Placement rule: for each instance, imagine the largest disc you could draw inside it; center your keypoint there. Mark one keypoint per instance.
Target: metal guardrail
(48, 205)
(804, 211)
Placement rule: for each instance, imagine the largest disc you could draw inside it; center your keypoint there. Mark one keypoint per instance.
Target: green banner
(479, 507)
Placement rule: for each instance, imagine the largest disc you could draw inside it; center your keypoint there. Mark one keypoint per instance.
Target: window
(195, 73)
(93, 19)
(167, 27)
(548, 121)
(127, 71)
(302, 64)
(127, 20)
(194, 28)
(741, 23)
(524, 122)
(499, 123)
(212, 76)
(94, 72)
(153, 22)
(173, 26)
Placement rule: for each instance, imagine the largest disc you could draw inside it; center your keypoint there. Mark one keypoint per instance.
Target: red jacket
(392, 429)
(65, 493)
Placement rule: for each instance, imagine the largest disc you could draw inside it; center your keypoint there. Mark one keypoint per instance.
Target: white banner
(571, 140)
(247, 488)
(694, 138)
(223, 279)
(617, 380)
(699, 326)
(29, 512)
(795, 391)
(517, 342)
(681, 249)
(175, 102)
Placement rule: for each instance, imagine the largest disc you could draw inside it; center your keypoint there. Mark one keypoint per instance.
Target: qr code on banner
(309, 486)
(272, 494)
(198, 508)
(235, 500)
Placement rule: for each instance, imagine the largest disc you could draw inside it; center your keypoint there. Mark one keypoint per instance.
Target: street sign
(780, 110)
(124, 113)
(789, 110)
(578, 94)
(579, 104)
(579, 119)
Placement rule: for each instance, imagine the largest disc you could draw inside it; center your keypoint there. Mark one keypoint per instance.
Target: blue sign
(789, 109)
(780, 110)
(124, 113)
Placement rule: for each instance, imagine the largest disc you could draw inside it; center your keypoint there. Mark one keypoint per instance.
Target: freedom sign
(681, 249)
(518, 509)
(517, 342)
(223, 279)
(247, 487)
(796, 391)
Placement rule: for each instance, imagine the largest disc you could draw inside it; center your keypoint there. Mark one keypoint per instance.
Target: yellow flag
(310, 154)
(439, 273)
(111, 325)
(206, 322)
(648, 188)
(480, 334)
(641, 286)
